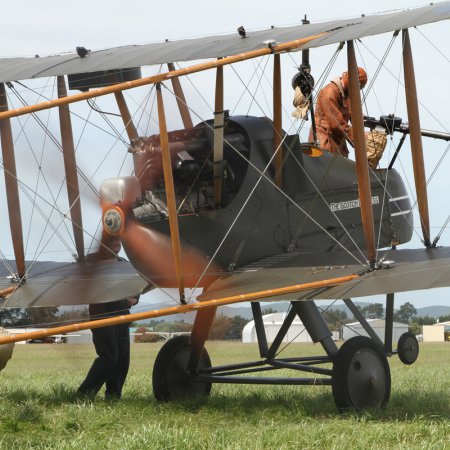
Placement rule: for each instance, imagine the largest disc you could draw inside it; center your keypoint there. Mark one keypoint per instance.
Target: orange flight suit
(332, 115)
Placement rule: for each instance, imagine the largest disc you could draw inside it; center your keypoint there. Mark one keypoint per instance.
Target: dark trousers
(112, 345)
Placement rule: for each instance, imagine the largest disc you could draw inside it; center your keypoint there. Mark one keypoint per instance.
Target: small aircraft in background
(232, 205)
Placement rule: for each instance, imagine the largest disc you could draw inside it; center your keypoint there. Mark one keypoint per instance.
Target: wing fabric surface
(12, 69)
(413, 269)
(56, 284)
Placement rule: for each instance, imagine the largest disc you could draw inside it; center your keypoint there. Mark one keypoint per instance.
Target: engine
(191, 153)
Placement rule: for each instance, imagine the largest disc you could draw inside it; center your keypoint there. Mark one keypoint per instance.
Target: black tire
(171, 380)
(361, 377)
(408, 348)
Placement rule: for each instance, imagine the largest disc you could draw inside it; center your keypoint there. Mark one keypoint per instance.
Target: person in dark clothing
(112, 343)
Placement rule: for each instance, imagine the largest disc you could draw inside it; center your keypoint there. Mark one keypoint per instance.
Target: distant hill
(433, 311)
(246, 312)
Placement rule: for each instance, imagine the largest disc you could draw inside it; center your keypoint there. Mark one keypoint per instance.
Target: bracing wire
(64, 216)
(263, 175)
(438, 236)
(432, 44)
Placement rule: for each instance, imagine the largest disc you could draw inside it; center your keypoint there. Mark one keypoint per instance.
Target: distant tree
(10, 317)
(375, 310)
(41, 316)
(406, 313)
(142, 335)
(235, 331)
(35, 317)
(415, 327)
(372, 311)
(220, 328)
(150, 325)
(335, 318)
(426, 320)
(73, 316)
(417, 323)
(170, 327)
(444, 318)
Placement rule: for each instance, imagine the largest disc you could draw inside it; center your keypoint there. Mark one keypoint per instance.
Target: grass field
(39, 409)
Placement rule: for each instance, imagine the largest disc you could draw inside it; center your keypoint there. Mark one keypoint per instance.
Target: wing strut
(170, 193)
(218, 136)
(9, 290)
(416, 138)
(362, 167)
(12, 190)
(70, 167)
(181, 100)
(278, 160)
(126, 117)
(207, 304)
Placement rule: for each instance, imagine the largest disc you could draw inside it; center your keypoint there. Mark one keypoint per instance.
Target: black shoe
(86, 395)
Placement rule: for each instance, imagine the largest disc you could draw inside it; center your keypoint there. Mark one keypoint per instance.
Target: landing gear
(171, 379)
(361, 377)
(408, 348)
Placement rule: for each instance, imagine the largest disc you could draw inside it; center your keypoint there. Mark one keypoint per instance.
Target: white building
(79, 337)
(350, 330)
(272, 324)
(436, 332)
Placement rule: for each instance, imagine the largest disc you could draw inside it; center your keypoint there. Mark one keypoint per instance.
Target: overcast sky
(51, 27)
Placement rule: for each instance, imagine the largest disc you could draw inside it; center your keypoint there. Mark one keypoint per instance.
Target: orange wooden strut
(253, 296)
(277, 120)
(362, 168)
(219, 115)
(181, 100)
(170, 193)
(11, 185)
(126, 117)
(7, 291)
(412, 106)
(70, 168)
(287, 46)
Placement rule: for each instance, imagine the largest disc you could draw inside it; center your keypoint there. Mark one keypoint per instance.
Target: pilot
(112, 343)
(332, 114)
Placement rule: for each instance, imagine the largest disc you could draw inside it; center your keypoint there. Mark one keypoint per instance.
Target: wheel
(408, 348)
(171, 380)
(361, 378)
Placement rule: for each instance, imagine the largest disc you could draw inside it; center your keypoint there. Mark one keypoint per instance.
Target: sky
(51, 27)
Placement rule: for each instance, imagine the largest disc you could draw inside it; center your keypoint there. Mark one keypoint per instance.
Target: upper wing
(412, 269)
(12, 69)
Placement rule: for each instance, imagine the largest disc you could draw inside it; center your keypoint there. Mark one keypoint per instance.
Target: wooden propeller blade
(151, 254)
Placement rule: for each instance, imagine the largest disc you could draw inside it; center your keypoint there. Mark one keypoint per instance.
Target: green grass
(39, 409)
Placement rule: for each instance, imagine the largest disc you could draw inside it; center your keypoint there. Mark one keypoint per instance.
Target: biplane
(233, 207)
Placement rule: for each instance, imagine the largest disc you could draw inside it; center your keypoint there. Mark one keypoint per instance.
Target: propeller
(149, 251)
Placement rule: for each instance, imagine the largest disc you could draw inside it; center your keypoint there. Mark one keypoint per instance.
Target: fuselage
(316, 208)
